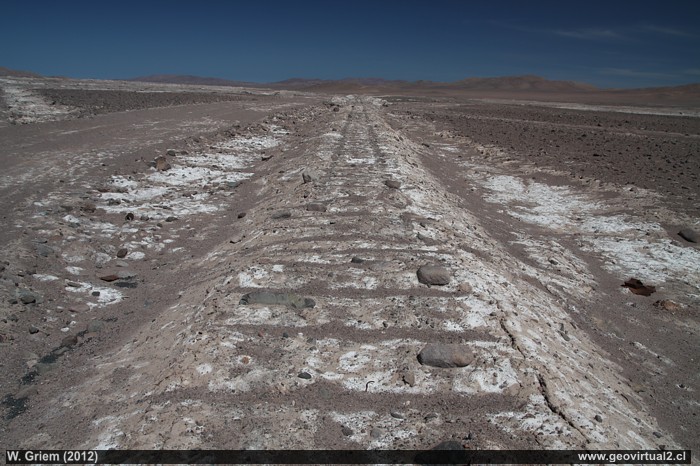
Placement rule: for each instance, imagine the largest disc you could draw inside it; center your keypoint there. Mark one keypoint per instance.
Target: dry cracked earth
(220, 268)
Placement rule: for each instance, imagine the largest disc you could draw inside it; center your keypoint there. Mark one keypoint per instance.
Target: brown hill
(191, 80)
(18, 73)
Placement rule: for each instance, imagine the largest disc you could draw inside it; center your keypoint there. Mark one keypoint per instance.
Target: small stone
(688, 235)
(465, 288)
(445, 356)
(304, 375)
(637, 287)
(434, 275)
(357, 260)
(409, 378)
(668, 305)
(33, 329)
(598, 418)
(281, 215)
(285, 335)
(79, 308)
(70, 340)
(122, 253)
(397, 415)
(162, 164)
(171, 218)
(241, 215)
(109, 278)
(144, 217)
(309, 176)
(316, 208)
(95, 293)
(171, 152)
(393, 184)
(347, 431)
(27, 297)
(265, 157)
(43, 250)
(376, 433)
(657, 434)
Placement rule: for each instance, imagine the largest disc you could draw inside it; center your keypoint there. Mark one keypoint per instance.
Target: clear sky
(611, 43)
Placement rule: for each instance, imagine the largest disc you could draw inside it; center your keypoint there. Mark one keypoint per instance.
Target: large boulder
(446, 356)
(434, 275)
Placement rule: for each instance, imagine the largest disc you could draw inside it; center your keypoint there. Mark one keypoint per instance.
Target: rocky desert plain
(213, 267)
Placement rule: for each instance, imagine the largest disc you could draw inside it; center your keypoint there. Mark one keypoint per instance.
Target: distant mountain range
(506, 87)
(508, 83)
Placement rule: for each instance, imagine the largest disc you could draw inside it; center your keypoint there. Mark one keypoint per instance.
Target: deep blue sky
(610, 44)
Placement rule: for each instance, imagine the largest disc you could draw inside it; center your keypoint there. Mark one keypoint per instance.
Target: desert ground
(227, 268)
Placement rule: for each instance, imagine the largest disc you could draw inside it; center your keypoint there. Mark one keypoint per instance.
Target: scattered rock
(144, 217)
(637, 287)
(434, 275)
(409, 378)
(241, 215)
(33, 329)
(269, 297)
(129, 217)
(309, 176)
(171, 152)
(393, 184)
(357, 260)
(265, 157)
(316, 208)
(397, 415)
(668, 305)
(688, 235)
(122, 253)
(70, 340)
(162, 164)
(376, 433)
(598, 418)
(109, 278)
(465, 288)
(304, 375)
(79, 308)
(171, 218)
(445, 356)
(347, 431)
(281, 214)
(43, 250)
(657, 434)
(29, 297)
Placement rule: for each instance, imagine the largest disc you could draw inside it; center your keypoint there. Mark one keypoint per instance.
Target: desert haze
(495, 263)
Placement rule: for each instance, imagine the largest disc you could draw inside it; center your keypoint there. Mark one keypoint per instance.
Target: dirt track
(169, 355)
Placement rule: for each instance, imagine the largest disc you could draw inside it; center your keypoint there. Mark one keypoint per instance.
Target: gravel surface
(164, 283)
(95, 102)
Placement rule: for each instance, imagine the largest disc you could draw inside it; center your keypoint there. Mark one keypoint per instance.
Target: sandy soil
(244, 274)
